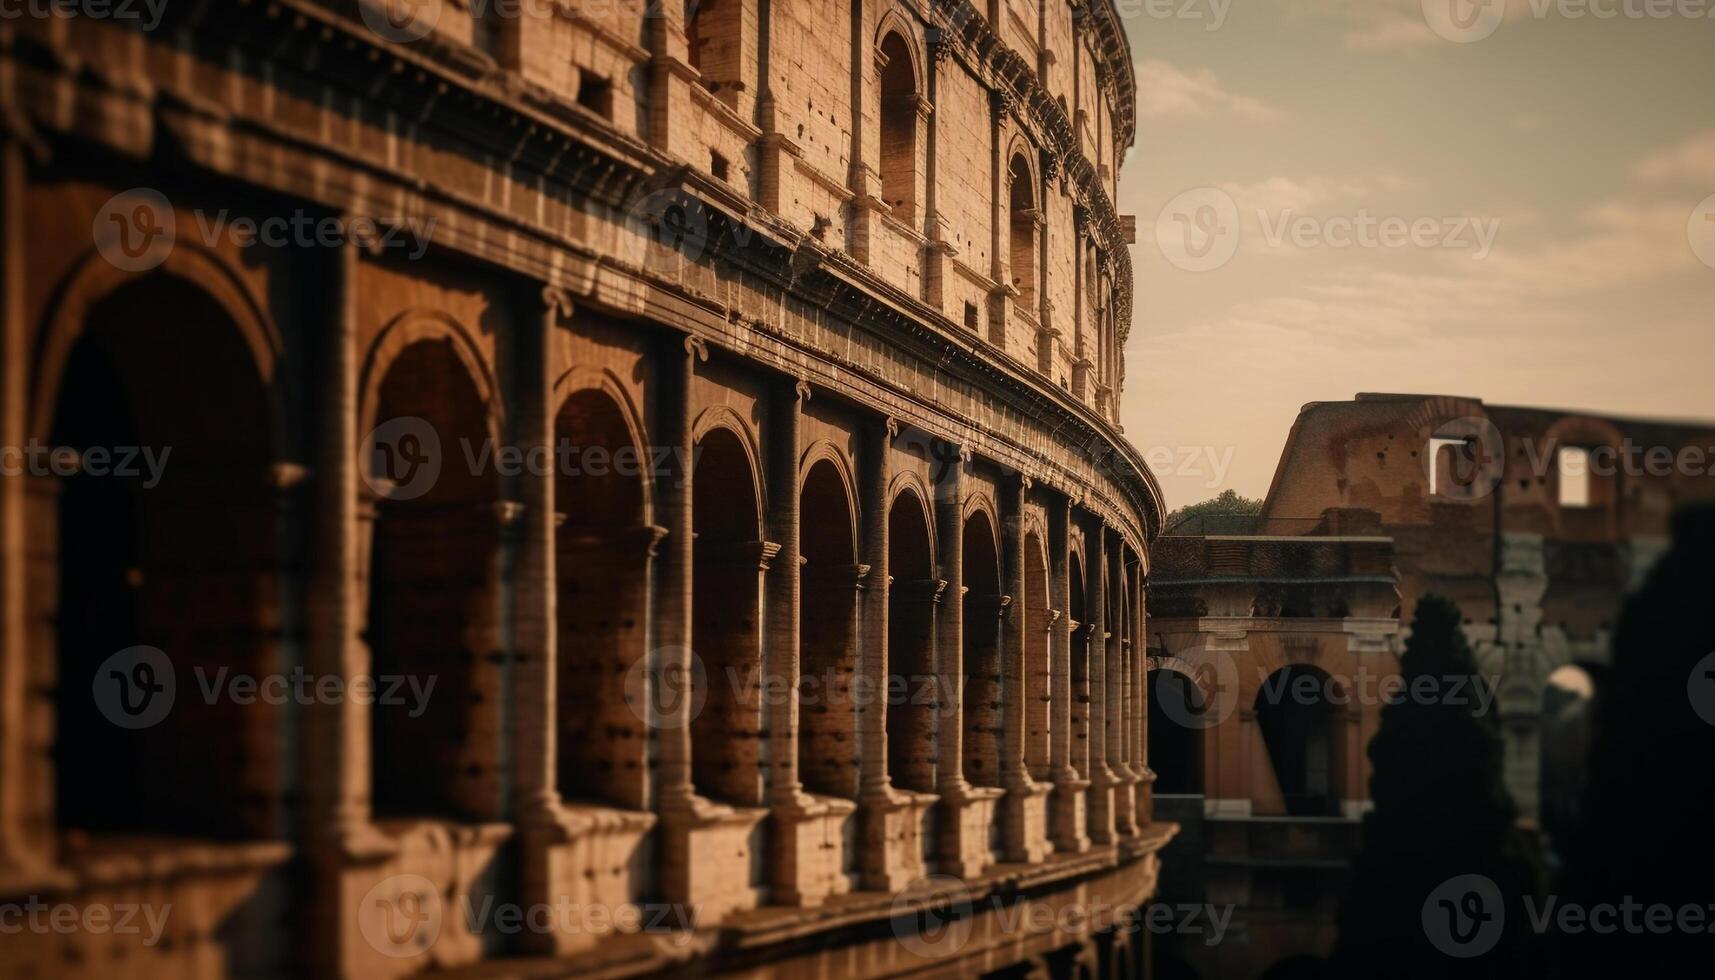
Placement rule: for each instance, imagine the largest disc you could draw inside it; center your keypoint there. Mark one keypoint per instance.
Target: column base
(585, 856)
(1105, 796)
(810, 849)
(403, 913)
(708, 851)
(1025, 821)
(896, 827)
(968, 814)
(1070, 815)
(1129, 801)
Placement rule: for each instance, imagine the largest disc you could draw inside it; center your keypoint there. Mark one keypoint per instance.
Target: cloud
(1692, 160)
(1164, 90)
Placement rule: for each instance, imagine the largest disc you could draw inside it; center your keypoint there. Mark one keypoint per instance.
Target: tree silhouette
(1442, 813)
(1643, 838)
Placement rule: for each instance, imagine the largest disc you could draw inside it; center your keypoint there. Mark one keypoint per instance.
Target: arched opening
(1176, 725)
(433, 604)
(827, 713)
(1297, 716)
(1024, 218)
(602, 555)
(726, 622)
(1567, 700)
(1082, 637)
(899, 123)
(984, 724)
(1039, 626)
(911, 680)
(180, 554)
(712, 33)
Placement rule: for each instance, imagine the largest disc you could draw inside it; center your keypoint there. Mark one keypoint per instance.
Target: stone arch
(1083, 638)
(427, 326)
(1023, 206)
(1603, 478)
(828, 653)
(94, 279)
(901, 109)
(720, 417)
(1177, 711)
(1039, 617)
(914, 593)
(604, 546)
(1300, 713)
(982, 701)
(183, 555)
(587, 378)
(434, 603)
(729, 561)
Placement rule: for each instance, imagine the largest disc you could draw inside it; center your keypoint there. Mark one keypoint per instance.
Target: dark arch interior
(1297, 723)
(433, 605)
(910, 648)
(1023, 197)
(982, 697)
(1082, 639)
(186, 564)
(828, 760)
(601, 563)
(898, 129)
(1176, 707)
(1037, 679)
(726, 622)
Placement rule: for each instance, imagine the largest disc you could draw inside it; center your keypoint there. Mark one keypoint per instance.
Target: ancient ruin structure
(1272, 638)
(714, 401)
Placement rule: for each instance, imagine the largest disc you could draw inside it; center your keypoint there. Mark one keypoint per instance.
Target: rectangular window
(595, 93)
(1573, 466)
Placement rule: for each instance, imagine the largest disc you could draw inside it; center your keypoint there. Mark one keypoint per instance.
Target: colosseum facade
(652, 457)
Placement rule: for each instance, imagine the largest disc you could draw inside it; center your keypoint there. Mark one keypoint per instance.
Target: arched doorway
(899, 125)
(726, 622)
(603, 552)
(827, 714)
(434, 609)
(911, 680)
(1024, 222)
(1298, 719)
(1039, 625)
(180, 554)
(984, 725)
(1082, 637)
(1176, 724)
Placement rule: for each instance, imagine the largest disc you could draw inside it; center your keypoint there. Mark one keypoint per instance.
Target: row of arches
(208, 567)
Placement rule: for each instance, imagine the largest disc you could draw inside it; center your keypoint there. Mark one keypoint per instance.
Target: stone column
(26, 855)
(874, 474)
(808, 861)
(1025, 808)
(534, 639)
(1137, 698)
(1000, 244)
(966, 811)
(1069, 787)
(1105, 721)
(1123, 699)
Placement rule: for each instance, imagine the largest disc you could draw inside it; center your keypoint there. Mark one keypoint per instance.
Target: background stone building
(1271, 636)
(824, 301)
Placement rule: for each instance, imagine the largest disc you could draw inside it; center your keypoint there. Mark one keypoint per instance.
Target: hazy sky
(1520, 218)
